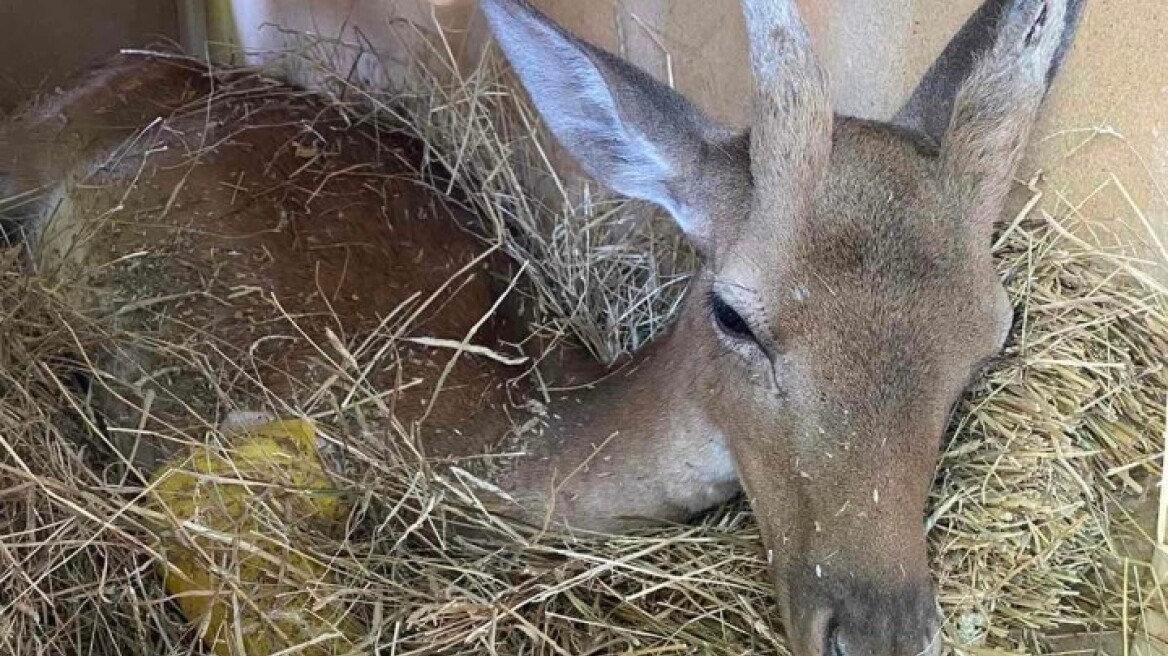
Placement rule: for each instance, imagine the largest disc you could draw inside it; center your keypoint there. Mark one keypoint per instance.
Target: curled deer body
(846, 298)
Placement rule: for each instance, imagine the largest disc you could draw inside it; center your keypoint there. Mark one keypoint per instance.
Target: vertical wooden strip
(192, 26)
(1151, 637)
(222, 36)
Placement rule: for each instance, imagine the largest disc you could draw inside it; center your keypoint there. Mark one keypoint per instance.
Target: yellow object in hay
(230, 559)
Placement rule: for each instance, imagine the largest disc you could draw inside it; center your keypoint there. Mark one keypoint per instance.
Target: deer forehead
(879, 186)
(881, 265)
(868, 221)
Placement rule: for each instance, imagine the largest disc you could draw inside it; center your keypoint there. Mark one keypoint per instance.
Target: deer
(846, 295)
(846, 299)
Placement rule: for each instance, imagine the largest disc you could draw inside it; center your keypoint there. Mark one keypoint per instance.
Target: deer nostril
(831, 639)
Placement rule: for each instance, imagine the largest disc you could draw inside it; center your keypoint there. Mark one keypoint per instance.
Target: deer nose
(848, 641)
(901, 623)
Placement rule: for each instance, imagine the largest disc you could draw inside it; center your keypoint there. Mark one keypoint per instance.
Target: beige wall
(45, 40)
(1116, 80)
(1116, 77)
(700, 49)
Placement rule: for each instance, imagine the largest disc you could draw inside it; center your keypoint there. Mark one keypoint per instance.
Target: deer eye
(728, 319)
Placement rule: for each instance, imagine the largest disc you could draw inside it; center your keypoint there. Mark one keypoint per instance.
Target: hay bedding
(1047, 453)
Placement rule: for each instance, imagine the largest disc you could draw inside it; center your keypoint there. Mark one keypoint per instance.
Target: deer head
(847, 295)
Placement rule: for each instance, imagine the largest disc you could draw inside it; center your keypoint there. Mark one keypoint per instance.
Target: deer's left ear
(628, 131)
(930, 107)
(988, 119)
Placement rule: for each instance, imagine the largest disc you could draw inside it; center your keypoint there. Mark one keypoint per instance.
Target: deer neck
(632, 398)
(641, 428)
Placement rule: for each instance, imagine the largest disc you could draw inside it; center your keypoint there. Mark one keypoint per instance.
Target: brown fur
(226, 201)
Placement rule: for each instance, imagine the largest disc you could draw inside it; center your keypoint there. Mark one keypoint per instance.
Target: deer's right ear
(631, 133)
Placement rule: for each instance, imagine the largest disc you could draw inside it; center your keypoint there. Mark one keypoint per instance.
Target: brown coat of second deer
(846, 297)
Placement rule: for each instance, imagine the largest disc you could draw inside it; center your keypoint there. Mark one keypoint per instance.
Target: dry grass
(1048, 454)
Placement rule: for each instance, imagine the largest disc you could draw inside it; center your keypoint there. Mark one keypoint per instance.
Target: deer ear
(631, 133)
(995, 108)
(930, 107)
